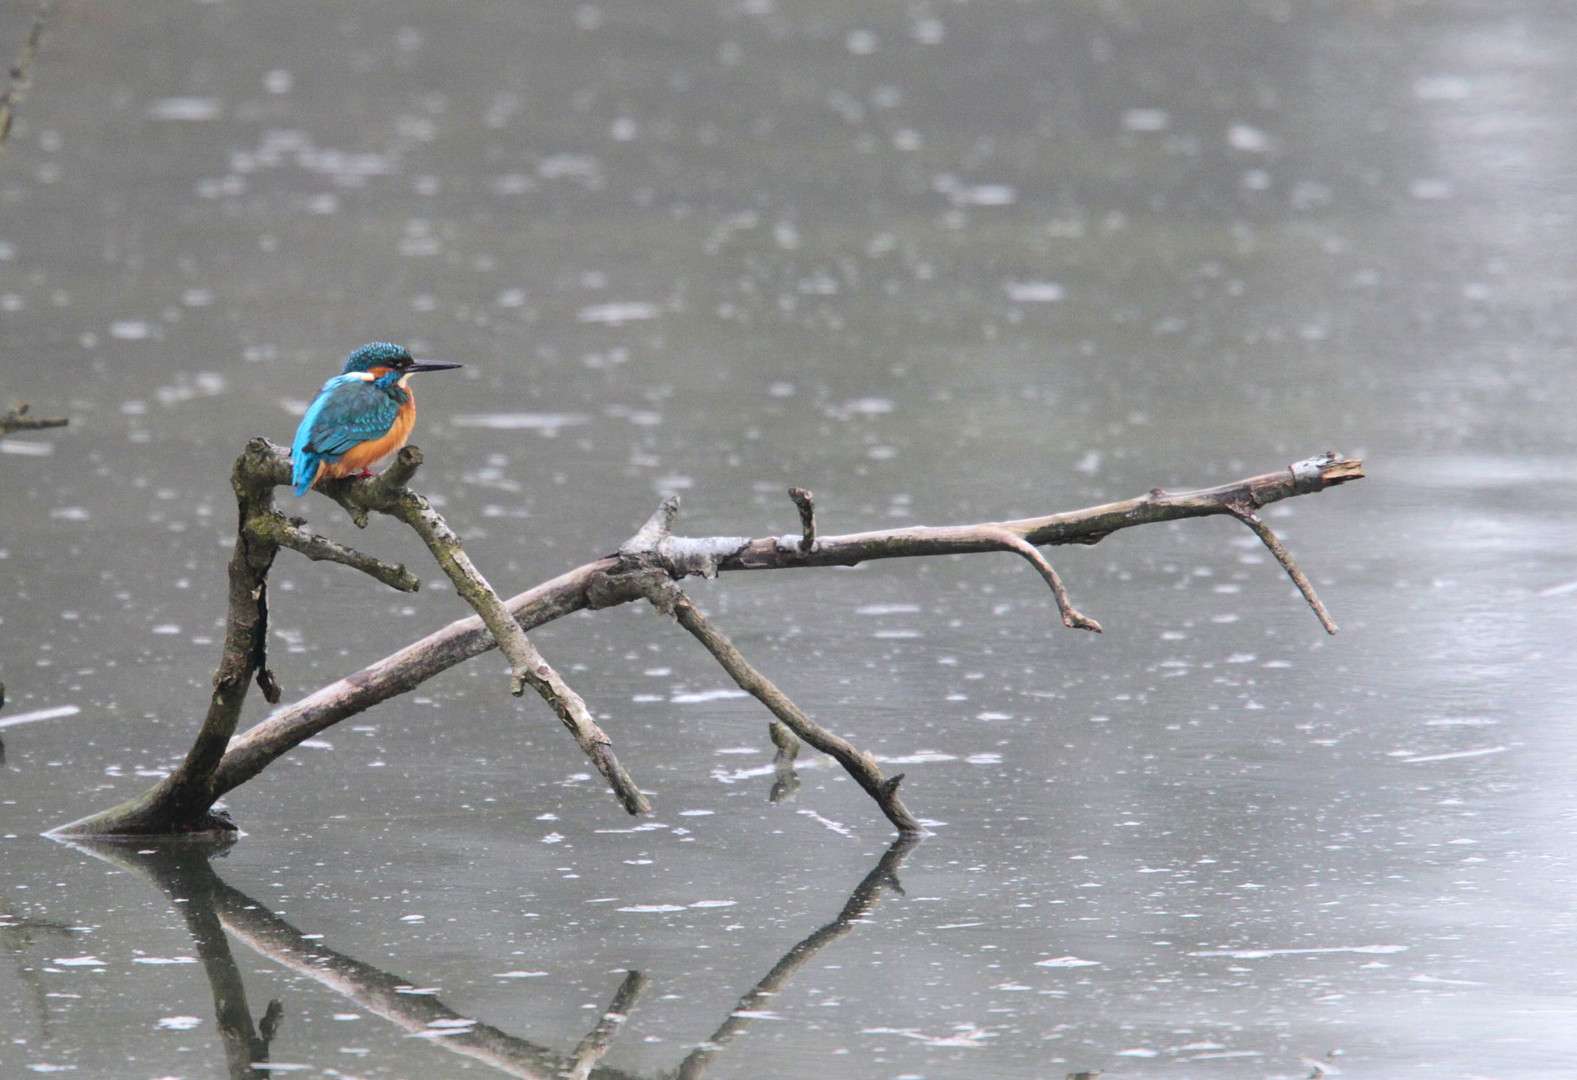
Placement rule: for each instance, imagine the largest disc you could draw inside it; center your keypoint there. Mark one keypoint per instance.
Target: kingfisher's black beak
(432, 365)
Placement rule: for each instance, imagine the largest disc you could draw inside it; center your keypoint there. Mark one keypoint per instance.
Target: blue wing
(348, 411)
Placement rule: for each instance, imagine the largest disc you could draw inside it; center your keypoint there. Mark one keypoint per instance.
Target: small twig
(1268, 536)
(1071, 617)
(670, 599)
(19, 74)
(807, 518)
(786, 783)
(18, 420)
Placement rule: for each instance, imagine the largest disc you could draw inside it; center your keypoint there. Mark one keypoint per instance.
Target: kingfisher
(361, 417)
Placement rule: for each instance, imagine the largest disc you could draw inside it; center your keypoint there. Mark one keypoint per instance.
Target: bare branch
(653, 554)
(671, 600)
(20, 75)
(1071, 617)
(1284, 557)
(527, 665)
(322, 549)
(18, 419)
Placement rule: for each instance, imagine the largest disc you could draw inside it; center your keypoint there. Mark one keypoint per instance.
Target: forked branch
(645, 567)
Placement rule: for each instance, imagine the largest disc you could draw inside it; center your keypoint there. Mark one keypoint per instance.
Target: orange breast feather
(373, 451)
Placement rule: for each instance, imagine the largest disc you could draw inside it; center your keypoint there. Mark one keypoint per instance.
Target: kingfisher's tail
(308, 465)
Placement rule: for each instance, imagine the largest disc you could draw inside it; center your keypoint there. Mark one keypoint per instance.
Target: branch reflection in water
(215, 913)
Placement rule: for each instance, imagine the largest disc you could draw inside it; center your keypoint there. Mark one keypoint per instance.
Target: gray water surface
(938, 263)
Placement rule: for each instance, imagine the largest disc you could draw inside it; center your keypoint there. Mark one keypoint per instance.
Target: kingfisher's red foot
(364, 474)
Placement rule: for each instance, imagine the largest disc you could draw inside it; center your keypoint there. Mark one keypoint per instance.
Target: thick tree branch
(618, 579)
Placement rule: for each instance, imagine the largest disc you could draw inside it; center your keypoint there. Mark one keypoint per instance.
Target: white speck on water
(696, 813)
(860, 42)
(582, 167)
(179, 1023)
(651, 909)
(699, 696)
(1247, 138)
(455, 1024)
(888, 609)
(961, 194)
(1455, 755)
(1260, 954)
(617, 314)
(993, 716)
(130, 330)
(968, 1035)
(278, 81)
(834, 826)
(78, 961)
(158, 960)
(413, 918)
(203, 384)
(1442, 88)
(1090, 463)
(1035, 292)
(1439, 981)
(167, 628)
(738, 750)
(714, 903)
(870, 406)
(647, 699)
(1066, 962)
(919, 757)
(519, 974)
(553, 838)
(1138, 1052)
(52, 713)
(889, 635)
(928, 30)
(1462, 721)
(185, 108)
(546, 423)
(316, 744)
(1430, 188)
(26, 448)
(984, 759)
(1146, 120)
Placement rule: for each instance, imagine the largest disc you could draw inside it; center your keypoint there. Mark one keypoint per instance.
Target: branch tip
(1273, 543)
(805, 501)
